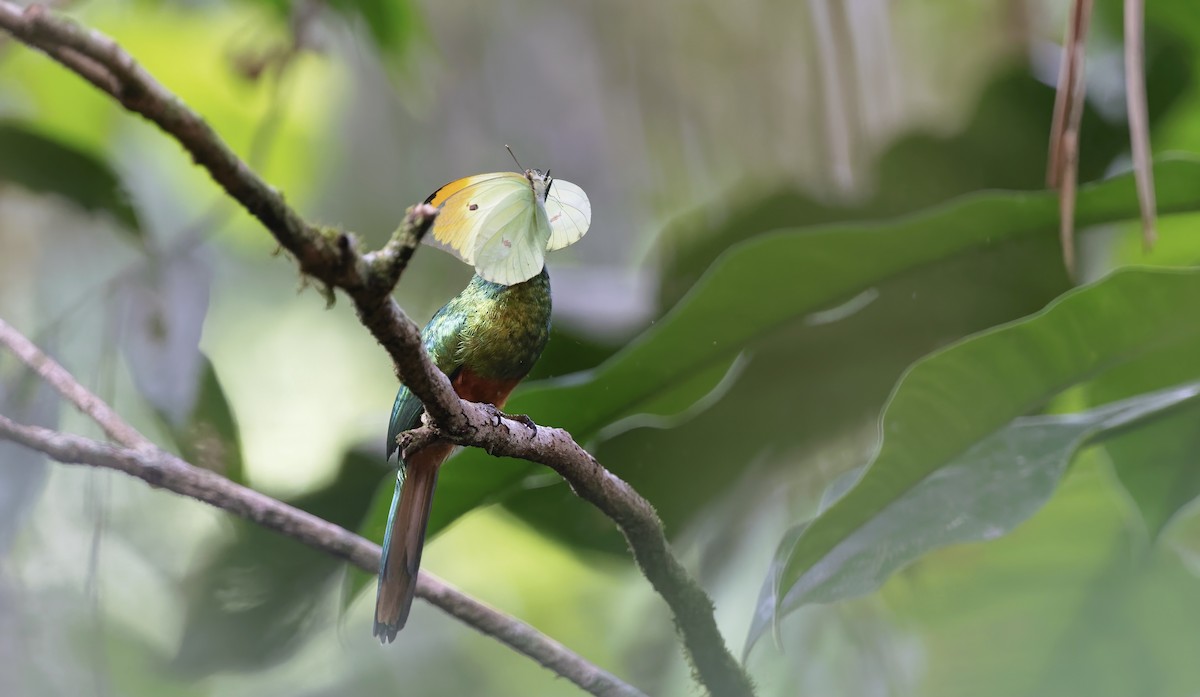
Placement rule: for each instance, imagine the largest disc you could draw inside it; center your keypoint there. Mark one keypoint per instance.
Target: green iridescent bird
(485, 340)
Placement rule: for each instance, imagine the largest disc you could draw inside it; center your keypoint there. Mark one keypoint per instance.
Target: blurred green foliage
(935, 415)
(250, 603)
(1017, 531)
(36, 162)
(209, 437)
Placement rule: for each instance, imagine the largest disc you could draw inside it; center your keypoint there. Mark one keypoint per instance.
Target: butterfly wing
(466, 205)
(569, 213)
(511, 245)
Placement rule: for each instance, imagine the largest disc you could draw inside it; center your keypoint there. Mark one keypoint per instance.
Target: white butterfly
(503, 223)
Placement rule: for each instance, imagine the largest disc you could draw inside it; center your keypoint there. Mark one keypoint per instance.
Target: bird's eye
(473, 207)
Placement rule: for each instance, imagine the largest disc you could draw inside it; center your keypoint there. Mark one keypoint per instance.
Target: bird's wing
(441, 338)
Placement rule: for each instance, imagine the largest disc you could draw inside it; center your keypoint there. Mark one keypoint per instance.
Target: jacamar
(485, 340)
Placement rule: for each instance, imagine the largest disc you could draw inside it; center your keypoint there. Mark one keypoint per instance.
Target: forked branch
(333, 259)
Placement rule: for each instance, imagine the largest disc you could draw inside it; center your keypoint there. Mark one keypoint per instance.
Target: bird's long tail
(404, 539)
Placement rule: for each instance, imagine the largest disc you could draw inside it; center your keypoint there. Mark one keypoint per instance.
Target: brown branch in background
(1063, 168)
(166, 471)
(1139, 120)
(142, 459)
(1069, 74)
(332, 258)
(58, 378)
(1066, 197)
(506, 436)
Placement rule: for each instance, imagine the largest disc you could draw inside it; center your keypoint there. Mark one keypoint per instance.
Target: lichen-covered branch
(166, 471)
(505, 436)
(332, 258)
(329, 256)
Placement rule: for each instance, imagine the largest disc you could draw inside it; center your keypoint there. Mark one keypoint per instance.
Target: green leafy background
(902, 449)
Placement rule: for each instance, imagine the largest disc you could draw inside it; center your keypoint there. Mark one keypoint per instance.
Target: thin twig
(142, 459)
(166, 471)
(1068, 181)
(1139, 120)
(332, 258)
(57, 376)
(1063, 168)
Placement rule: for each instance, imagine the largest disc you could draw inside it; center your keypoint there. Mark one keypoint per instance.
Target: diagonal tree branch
(332, 258)
(142, 459)
(329, 256)
(505, 436)
(70, 388)
(166, 471)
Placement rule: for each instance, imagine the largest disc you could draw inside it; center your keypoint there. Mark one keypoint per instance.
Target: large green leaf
(1002, 146)
(994, 486)
(767, 283)
(1070, 604)
(45, 165)
(1157, 464)
(957, 398)
(1159, 467)
(805, 389)
(392, 24)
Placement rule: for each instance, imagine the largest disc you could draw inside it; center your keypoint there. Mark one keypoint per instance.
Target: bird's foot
(521, 418)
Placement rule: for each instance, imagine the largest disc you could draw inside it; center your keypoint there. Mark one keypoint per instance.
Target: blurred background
(699, 130)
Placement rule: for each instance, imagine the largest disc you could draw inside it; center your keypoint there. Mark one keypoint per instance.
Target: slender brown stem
(163, 470)
(58, 378)
(329, 256)
(332, 258)
(1139, 120)
(1063, 168)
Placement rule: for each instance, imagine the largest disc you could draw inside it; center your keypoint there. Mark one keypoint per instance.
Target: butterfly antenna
(514, 157)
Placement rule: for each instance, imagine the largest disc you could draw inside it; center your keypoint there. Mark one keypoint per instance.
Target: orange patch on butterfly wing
(439, 197)
(464, 204)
